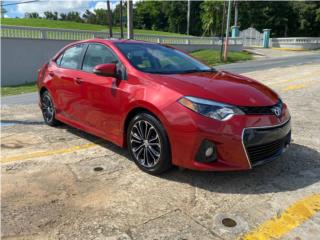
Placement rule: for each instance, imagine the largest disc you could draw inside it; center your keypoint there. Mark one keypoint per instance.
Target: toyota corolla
(165, 106)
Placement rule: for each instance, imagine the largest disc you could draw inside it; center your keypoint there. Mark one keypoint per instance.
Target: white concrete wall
(21, 58)
(299, 43)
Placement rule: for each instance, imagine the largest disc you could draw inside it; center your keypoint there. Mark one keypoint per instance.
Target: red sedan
(166, 107)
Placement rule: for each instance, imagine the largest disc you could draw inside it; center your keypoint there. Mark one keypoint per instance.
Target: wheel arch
(143, 109)
(42, 90)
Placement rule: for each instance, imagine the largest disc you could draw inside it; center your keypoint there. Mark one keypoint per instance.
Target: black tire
(156, 154)
(48, 109)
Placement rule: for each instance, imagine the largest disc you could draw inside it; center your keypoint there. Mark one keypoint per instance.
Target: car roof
(101, 40)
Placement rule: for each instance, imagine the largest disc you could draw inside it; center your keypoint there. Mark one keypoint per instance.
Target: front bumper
(264, 144)
(242, 142)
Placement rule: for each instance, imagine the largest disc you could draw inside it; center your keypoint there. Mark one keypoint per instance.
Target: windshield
(154, 58)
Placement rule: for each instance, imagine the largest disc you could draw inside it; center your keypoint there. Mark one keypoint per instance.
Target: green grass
(29, 22)
(19, 89)
(212, 57)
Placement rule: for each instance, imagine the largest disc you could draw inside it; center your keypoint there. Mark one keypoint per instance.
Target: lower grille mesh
(268, 150)
(261, 152)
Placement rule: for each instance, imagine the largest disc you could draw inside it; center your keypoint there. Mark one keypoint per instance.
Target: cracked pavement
(98, 193)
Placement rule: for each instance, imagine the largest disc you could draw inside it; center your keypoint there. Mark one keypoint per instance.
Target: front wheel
(148, 144)
(48, 109)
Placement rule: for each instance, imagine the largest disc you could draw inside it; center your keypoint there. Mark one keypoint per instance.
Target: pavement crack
(199, 223)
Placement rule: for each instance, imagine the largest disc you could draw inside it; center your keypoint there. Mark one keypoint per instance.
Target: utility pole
(3, 11)
(225, 55)
(121, 21)
(129, 20)
(188, 17)
(222, 29)
(110, 18)
(235, 13)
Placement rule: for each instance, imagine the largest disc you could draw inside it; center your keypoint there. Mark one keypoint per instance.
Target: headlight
(211, 109)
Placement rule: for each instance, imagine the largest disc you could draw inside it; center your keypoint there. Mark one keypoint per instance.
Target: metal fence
(65, 34)
(251, 37)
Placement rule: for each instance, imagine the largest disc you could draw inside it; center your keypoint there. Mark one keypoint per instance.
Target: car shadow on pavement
(101, 142)
(297, 168)
(20, 122)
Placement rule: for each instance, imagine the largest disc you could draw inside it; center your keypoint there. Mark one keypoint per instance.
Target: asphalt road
(244, 67)
(264, 64)
(61, 183)
(27, 98)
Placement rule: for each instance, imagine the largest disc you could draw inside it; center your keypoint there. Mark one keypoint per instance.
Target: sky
(60, 6)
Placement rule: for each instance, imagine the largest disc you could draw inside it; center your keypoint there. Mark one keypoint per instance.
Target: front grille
(267, 150)
(264, 110)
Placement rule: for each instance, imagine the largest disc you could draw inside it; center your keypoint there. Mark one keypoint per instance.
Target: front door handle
(78, 80)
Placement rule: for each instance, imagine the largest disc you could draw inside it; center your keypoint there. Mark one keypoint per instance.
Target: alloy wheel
(47, 108)
(145, 143)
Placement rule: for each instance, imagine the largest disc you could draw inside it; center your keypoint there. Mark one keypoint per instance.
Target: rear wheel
(148, 144)
(48, 109)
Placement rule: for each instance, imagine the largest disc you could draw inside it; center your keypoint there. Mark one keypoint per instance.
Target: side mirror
(107, 70)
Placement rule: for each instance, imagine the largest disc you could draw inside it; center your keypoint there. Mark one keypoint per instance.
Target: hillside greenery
(284, 18)
(37, 22)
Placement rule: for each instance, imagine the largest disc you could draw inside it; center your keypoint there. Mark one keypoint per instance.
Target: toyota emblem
(276, 111)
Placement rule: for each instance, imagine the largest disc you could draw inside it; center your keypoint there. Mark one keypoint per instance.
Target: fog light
(207, 152)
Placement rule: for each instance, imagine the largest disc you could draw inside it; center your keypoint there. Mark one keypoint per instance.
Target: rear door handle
(78, 80)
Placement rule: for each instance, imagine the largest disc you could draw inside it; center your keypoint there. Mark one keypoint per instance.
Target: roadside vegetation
(19, 89)
(285, 18)
(37, 22)
(211, 57)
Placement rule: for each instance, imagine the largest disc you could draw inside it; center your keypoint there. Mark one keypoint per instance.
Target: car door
(103, 95)
(66, 82)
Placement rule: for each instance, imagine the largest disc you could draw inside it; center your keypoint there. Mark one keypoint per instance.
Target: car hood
(220, 86)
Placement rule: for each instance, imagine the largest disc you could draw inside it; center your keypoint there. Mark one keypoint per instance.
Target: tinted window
(155, 58)
(97, 54)
(72, 57)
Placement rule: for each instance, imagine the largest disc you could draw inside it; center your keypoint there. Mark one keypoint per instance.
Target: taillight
(41, 71)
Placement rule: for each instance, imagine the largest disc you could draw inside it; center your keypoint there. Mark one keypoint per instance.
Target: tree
(308, 19)
(211, 17)
(74, 16)
(31, 15)
(101, 16)
(89, 17)
(195, 18)
(116, 13)
(148, 15)
(63, 16)
(275, 15)
(176, 12)
(292, 19)
(50, 15)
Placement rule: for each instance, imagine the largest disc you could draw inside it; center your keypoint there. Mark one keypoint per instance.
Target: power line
(8, 4)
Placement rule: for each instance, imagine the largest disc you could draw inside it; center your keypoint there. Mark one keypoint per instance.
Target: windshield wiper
(182, 72)
(198, 70)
